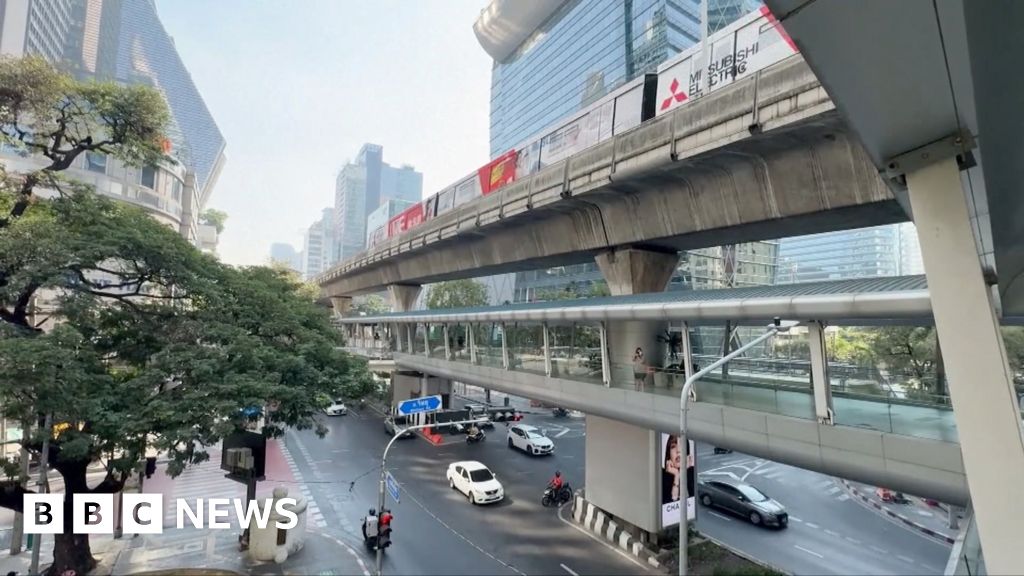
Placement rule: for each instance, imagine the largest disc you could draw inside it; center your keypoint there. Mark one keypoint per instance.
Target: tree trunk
(71, 551)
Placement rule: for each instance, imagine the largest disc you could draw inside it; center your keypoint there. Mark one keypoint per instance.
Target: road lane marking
(795, 519)
(811, 525)
(566, 568)
(559, 435)
(833, 490)
(906, 559)
(457, 533)
(716, 514)
(852, 540)
(599, 540)
(831, 533)
(879, 550)
(811, 552)
(754, 469)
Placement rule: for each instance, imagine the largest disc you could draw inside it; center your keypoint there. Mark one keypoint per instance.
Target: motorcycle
(558, 412)
(381, 541)
(474, 438)
(551, 498)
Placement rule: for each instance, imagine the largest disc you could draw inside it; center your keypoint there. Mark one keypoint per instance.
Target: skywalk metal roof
(893, 298)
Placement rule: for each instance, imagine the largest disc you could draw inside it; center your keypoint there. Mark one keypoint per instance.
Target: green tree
(370, 305)
(57, 118)
(155, 343)
(215, 218)
(457, 294)
(307, 290)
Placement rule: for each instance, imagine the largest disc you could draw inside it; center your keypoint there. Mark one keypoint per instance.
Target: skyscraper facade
(317, 245)
(576, 52)
(282, 253)
(552, 59)
(360, 188)
(889, 250)
(35, 27)
(124, 41)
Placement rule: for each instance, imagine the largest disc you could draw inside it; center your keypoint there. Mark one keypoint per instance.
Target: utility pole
(42, 485)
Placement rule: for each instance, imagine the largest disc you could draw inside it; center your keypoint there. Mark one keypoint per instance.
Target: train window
(467, 190)
(445, 201)
(431, 205)
(628, 109)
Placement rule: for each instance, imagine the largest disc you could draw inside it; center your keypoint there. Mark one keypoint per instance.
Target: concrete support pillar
(410, 331)
(606, 361)
(635, 271)
(547, 350)
(504, 347)
(342, 305)
(819, 372)
(426, 340)
(471, 340)
(396, 335)
(447, 345)
(686, 351)
(980, 382)
(623, 474)
(403, 296)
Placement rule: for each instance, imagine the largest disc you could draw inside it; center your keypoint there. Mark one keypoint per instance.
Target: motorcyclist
(556, 483)
(473, 431)
(370, 524)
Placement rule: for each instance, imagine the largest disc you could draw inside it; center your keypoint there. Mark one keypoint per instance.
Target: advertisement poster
(671, 462)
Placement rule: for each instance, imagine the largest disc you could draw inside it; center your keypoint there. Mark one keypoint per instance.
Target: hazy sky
(297, 86)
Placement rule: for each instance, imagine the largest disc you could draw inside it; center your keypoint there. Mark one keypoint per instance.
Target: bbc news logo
(144, 513)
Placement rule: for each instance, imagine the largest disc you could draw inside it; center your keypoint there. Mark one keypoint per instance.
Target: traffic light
(150, 466)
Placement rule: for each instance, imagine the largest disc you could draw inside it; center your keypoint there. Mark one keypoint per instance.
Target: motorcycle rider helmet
(373, 511)
(558, 474)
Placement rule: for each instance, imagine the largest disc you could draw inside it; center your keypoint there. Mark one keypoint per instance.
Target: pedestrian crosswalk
(207, 480)
(315, 517)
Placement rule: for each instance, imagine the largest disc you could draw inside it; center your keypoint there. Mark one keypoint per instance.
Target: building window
(96, 162)
(147, 177)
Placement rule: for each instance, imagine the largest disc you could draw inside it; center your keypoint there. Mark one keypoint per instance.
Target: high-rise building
(317, 245)
(35, 27)
(124, 41)
(360, 188)
(889, 250)
(551, 59)
(282, 253)
(910, 250)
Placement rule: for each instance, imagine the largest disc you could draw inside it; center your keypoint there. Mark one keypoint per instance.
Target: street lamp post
(384, 474)
(684, 399)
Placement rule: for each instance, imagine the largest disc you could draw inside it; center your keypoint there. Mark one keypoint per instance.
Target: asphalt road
(829, 532)
(436, 530)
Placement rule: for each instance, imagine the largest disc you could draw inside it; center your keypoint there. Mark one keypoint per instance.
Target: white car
(475, 481)
(530, 440)
(337, 408)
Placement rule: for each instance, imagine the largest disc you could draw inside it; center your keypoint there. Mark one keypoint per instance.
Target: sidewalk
(202, 549)
(918, 515)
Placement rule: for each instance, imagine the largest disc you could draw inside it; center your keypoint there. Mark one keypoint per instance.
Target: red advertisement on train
(406, 220)
(498, 172)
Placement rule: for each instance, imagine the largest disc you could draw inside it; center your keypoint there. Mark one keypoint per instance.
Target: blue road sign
(392, 486)
(418, 405)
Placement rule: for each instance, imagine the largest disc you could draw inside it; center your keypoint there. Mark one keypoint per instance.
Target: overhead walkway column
(623, 472)
(980, 382)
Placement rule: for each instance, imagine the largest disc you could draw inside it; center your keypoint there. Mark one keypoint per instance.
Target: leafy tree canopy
(148, 341)
(370, 305)
(215, 218)
(457, 294)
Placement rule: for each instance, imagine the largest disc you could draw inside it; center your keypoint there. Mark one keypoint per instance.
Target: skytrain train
(749, 44)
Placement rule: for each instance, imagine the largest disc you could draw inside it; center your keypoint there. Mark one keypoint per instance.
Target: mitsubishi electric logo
(678, 95)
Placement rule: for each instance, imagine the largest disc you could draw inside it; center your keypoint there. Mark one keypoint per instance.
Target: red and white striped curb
(915, 525)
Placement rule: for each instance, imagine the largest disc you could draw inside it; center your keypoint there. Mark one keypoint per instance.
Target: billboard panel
(498, 172)
(671, 475)
(406, 220)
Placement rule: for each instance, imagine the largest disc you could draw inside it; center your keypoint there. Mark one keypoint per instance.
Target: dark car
(743, 500)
